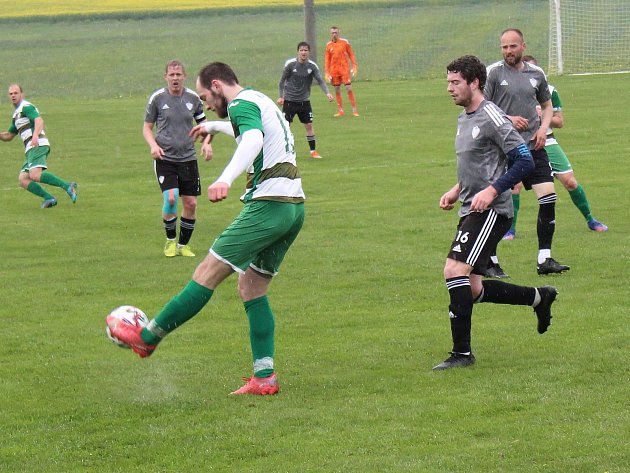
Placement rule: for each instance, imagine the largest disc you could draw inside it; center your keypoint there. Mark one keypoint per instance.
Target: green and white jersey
(556, 103)
(274, 174)
(23, 124)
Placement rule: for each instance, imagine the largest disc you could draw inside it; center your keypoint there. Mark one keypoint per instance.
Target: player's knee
(170, 201)
(452, 269)
(190, 206)
(24, 180)
(570, 183)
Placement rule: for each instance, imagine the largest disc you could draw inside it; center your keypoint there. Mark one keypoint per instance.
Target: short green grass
(360, 303)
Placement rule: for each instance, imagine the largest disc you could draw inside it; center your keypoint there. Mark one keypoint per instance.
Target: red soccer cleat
(259, 386)
(128, 335)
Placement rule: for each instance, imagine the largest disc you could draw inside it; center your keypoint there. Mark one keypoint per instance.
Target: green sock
(578, 196)
(52, 180)
(261, 335)
(177, 311)
(516, 201)
(34, 188)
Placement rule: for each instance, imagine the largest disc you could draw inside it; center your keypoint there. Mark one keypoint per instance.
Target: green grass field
(360, 303)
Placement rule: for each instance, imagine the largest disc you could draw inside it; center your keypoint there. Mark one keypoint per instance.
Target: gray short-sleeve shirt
(518, 92)
(483, 140)
(173, 116)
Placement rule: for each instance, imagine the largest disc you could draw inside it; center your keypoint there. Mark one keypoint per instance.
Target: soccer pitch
(360, 302)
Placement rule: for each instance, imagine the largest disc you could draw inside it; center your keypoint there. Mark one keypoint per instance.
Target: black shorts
(542, 169)
(183, 176)
(478, 233)
(302, 109)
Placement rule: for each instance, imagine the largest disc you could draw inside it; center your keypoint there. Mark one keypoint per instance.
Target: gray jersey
(483, 140)
(297, 78)
(174, 117)
(518, 92)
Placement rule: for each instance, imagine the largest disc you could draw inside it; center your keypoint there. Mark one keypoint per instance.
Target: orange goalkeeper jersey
(337, 55)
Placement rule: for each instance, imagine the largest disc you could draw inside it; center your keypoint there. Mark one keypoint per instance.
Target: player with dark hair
(173, 109)
(29, 124)
(294, 91)
(255, 243)
(561, 167)
(485, 142)
(340, 65)
(518, 88)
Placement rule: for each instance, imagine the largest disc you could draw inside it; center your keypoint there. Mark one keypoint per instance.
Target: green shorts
(36, 158)
(559, 162)
(260, 236)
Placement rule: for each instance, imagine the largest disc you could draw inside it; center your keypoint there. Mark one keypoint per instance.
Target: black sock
(311, 142)
(186, 228)
(460, 312)
(171, 228)
(546, 224)
(499, 292)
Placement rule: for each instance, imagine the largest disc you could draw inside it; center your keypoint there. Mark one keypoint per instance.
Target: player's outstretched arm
(212, 128)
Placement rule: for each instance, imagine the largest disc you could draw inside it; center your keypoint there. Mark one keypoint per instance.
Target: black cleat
(495, 271)
(551, 266)
(548, 295)
(456, 360)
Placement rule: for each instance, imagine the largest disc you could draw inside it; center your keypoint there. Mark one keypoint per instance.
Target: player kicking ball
(255, 243)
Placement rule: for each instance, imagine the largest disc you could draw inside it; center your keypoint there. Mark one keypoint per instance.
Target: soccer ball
(127, 314)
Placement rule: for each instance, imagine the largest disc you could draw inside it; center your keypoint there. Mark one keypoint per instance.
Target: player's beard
(221, 108)
(514, 60)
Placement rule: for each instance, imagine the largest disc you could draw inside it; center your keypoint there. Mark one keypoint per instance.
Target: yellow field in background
(13, 9)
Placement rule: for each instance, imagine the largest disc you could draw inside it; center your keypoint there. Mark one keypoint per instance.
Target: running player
(29, 124)
(484, 143)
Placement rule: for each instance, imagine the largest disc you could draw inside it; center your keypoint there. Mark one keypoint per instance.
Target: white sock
(543, 255)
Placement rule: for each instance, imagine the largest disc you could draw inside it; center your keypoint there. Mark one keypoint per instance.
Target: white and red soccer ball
(127, 314)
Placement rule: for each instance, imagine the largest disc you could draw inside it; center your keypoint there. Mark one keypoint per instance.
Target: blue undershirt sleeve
(521, 164)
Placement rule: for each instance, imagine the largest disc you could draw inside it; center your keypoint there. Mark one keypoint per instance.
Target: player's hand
(354, 72)
(280, 101)
(218, 191)
(330, 97)
(198, 131)
(447, 201)
(156, 152)
(328, 78)
(34, 141)
(482, 200)
(540, 138)
(206, 148)
(519, 123)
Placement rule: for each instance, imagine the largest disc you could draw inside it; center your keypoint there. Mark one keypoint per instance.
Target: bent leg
(189, 301)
